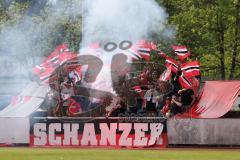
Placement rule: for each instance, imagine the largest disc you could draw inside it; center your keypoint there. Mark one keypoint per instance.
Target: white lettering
(40, 135)
(53, 139)
(70, 134)
(156, 131)
(108, 134)
(140, 139)
(89, 134)
(126, 128)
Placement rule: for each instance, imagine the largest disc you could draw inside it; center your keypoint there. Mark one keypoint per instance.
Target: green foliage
(12, 15)
(199, 25)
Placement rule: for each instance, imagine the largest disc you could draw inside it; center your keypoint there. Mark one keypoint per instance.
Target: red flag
(181, 52)
(141, 50)
(66, 56)
(53, 58)
(171, 62)
(45, 76)
(189, 82)
(135, 55)
(145, 53)
(166, 75)
(184, 81)
(145, 48)
(59, 56)
(191, 69)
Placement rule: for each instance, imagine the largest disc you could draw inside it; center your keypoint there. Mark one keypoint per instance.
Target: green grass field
(120, 154)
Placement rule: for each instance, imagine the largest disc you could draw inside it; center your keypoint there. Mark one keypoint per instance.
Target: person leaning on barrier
(176, 105)
(181, 102)
(187, 98)
(116, 107)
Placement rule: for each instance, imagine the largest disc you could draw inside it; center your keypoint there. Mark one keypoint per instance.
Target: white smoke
(117, 20)
(52, 2)
(27, 39)
(24, 39)
(103, 21)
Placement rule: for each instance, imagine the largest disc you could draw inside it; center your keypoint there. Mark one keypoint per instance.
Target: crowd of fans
(154, 103)
(141, 95)
(154, 90)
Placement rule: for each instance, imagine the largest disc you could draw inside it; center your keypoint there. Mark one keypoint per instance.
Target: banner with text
(98, 132)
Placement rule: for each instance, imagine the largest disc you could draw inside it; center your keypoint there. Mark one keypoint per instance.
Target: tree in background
(236, 40)
(211, 30)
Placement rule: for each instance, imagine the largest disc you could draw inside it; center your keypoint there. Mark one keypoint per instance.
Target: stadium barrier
(214, 132)
(14, 131)
(118, 132)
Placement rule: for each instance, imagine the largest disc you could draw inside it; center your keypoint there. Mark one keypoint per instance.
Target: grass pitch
(118, 154)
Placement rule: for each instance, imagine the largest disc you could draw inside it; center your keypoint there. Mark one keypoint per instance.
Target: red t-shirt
(166, 107)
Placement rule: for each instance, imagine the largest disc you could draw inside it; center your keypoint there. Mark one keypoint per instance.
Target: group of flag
(57, 58)
(187, 72)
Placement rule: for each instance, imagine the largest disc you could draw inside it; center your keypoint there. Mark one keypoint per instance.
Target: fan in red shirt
(166, 106)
